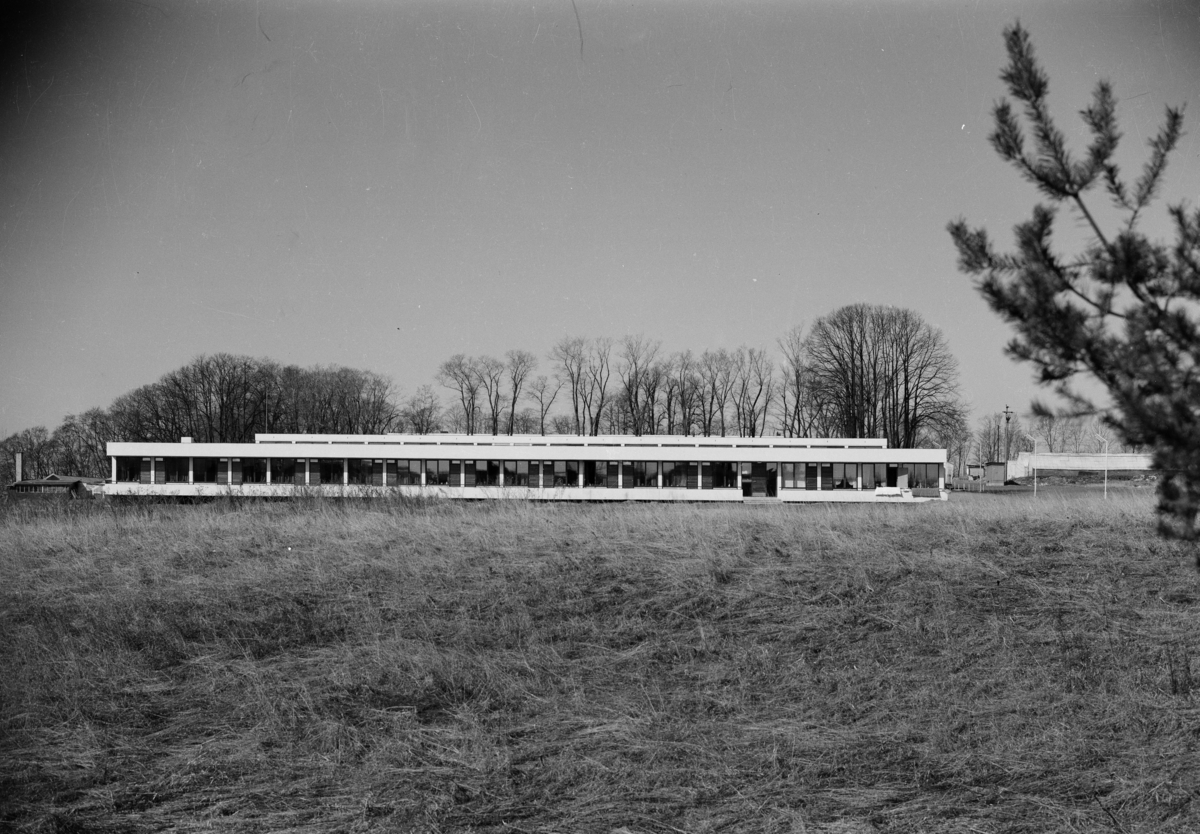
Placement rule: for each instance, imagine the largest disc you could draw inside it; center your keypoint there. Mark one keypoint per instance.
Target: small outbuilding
(997, 473)
(68, 486)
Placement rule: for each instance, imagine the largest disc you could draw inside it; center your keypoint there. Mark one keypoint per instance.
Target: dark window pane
(595, 473)
(254, 470)
(651, 479)
(176, 470)
(437, 473)
(669, 468)
(205, 470)
(725, 475)
(129, 470)
(329, 471)
(358, 471)
(283, 470)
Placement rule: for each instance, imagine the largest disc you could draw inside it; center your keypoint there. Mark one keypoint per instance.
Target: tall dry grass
(988, 664)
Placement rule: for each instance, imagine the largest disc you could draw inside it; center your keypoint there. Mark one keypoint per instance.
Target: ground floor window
(487, 473)
(254, 470)
(845, 476)
(175, 470)
(129, 470)
(407, 472)
(566, 472)
(283, 470)
(645, 473)
(516, 473)
(595, 473)
(924, 475)
(327, 470)
(358, 472)
(793, 475)
(674, 474)
(205, 470)
(719, 475)
(874, 475)
(437, 473)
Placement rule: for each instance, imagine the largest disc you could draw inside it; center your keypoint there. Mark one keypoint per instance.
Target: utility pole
(1008, 413)
(1007, 438)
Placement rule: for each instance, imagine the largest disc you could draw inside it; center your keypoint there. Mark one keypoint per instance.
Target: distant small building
(996, 473)
(69, 486)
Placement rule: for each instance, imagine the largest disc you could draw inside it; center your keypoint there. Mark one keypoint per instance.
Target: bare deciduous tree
(883, 372)
(422, 411)
(543, 391)
(520, 364)
(569, 355)
(461, 374)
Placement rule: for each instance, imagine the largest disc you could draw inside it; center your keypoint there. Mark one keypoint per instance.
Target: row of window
(862, 475)
(524, 473)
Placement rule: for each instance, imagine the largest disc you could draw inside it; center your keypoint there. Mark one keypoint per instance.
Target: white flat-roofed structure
(557, 467)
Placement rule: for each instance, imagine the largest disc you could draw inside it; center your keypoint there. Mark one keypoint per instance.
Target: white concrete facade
(772, 455)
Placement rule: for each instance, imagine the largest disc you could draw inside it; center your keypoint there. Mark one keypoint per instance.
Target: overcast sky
(385, 184)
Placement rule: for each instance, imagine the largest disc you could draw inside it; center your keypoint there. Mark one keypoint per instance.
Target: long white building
(570, 468)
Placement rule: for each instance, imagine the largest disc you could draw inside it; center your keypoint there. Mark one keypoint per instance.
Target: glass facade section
(129, 470)
(535, 474)
(404, 473)
(283, 470)
(645, 473)
(487, 473)
(175, 470)
(358, 471)
(205, 470)
(874, 474)
(627, 476)
(826, 476)
(924, 475)
(724, 475)
(845, 476)
(254, 470)
(595, 473)
(566, 472)
(328, 470)
(437, 473)
(674, 474)
(516, 473)
(790, 478)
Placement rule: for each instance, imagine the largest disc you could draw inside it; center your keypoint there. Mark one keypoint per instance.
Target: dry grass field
(991, 664)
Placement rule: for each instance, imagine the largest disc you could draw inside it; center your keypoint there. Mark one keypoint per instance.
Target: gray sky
(385, 184)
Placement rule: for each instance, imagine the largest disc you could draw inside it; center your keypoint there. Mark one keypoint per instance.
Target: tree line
(861, 371)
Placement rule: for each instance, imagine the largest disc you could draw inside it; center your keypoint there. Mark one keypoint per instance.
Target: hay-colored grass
(988, 664)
